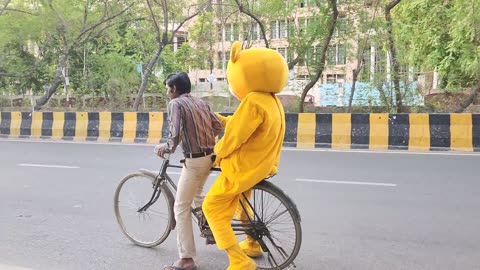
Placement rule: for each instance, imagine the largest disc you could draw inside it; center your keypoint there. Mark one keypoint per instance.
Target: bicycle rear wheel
(146, 228)
(277, 227)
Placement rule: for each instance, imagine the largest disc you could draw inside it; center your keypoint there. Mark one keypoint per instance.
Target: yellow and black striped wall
(384, 131)
(126, 127)
(304, 130)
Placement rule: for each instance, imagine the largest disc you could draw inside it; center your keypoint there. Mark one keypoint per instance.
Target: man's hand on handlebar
(161, 150)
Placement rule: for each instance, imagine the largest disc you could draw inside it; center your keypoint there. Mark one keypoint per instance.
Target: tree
(331, 22)
(366, 24)
(166, 17)
(443, 35)
(75, 24)
(393, 55)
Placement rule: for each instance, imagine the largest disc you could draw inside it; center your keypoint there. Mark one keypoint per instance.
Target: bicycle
(269, 228)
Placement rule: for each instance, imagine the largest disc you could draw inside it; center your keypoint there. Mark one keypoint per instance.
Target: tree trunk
(146, 73)
(58, 79)
(393, 56)
(383, 96)
(255, 18)
(470, 99)
(354, 83)
(323, 56)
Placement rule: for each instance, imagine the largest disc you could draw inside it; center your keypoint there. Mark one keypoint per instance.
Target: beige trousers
(194, 174)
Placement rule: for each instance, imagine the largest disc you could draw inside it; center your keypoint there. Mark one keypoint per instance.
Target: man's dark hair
(181, 82)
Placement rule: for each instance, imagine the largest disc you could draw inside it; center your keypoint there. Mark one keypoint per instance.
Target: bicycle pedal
(209, 240)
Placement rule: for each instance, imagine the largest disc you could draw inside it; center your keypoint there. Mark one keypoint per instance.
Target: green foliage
(443, 35)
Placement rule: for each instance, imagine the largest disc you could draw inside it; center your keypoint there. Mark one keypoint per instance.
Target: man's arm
(216, 123)
(174, 127)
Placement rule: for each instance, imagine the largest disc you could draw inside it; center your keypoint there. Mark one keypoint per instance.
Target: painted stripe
(141, 133)
(155, 124)
(378, 131)
(461, 132)
(341, 130)
(69, 125)
(15, 124)
(13, 267)
(116, 129)
(37, 120)
(346, 182)
(47, 166)
(360, 131)
(47, 124)
(476, 132)
(439, 131)
(58, 124)
(93, 126)
(291, 120)
(5, 119)
(105, 123)
(306, 130)
(26, 125)
(398, 131)
(129, 127)
(323, 131)
(419, 139)
(81, 126)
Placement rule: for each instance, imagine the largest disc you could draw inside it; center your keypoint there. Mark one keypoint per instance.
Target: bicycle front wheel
(146, 228)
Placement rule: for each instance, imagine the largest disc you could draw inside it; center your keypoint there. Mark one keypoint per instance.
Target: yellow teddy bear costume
(250, 149)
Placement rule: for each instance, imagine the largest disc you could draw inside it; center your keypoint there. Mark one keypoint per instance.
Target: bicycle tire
(164, 198)
(291, 208)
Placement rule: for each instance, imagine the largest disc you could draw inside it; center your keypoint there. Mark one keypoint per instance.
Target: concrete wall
(426, 132)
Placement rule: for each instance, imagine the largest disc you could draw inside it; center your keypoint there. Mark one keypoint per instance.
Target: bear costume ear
(235, 51)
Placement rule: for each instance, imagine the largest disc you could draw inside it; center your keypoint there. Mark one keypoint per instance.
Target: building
(333, 89)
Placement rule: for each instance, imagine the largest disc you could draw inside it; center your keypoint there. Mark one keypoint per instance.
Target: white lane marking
(12, 267)
(402, 152)
(346, 182)
(47, 166)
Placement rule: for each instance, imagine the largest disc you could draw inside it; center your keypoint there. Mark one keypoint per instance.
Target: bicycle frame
(163, 177)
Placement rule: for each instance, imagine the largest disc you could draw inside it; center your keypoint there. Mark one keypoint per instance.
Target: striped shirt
(192, 125)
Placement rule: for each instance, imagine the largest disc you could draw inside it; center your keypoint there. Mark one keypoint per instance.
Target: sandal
(173, 267)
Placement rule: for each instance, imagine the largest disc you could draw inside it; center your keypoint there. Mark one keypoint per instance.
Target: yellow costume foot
(251, 248)
(238, 259)
(246, 265)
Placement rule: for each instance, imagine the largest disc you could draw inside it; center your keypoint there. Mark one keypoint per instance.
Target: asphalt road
(360, 210)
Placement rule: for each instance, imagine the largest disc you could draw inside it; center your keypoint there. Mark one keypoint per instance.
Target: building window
(341, 26)
(219, 60)
(341, 54)
(283, 29)
(236, 32)
(380, 61)
(202, 80)
(336, 55)
(254, 31)
(274, 30)
(219, 33)
(228, 32)
(366, 69)
(336, 78)
(227, 58)
(302, 24)
(283, 52)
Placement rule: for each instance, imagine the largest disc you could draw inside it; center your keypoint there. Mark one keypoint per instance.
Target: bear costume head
(255, 70)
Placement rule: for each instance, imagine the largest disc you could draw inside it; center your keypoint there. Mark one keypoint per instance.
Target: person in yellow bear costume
(250, 149)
